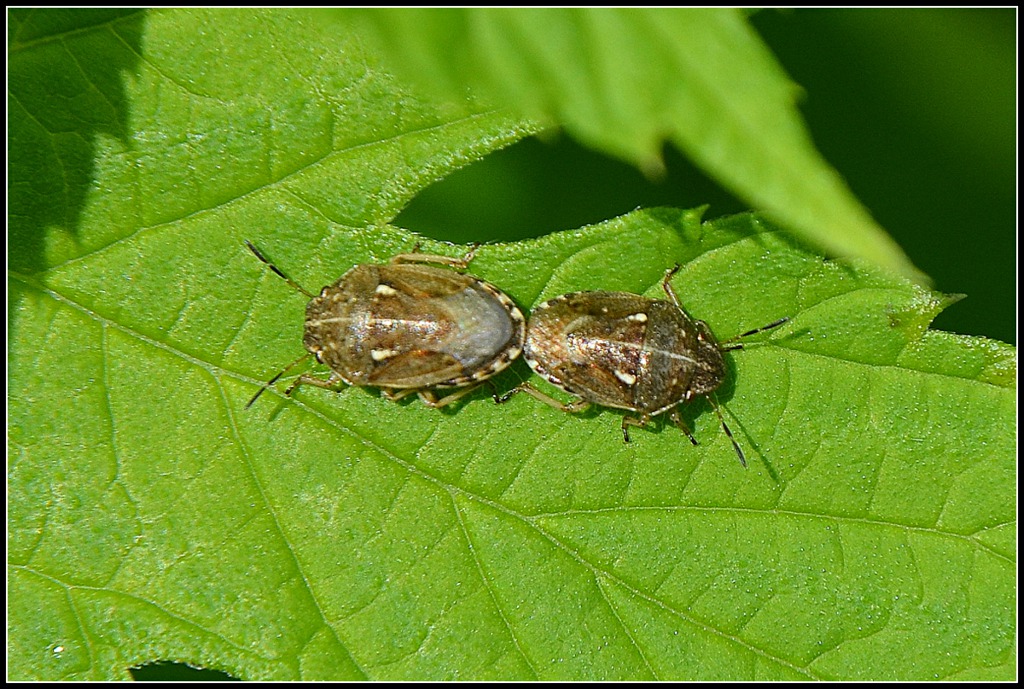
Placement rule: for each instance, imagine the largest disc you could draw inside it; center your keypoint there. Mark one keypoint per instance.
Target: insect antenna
(725, 427)
(739, 345)
(276, 378)
(725, 347)
(278, 271)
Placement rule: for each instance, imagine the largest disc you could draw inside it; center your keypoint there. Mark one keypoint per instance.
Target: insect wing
(413, 326)
(587, 344)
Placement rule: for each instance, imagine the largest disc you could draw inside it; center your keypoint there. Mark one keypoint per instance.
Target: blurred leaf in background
(624, 81)
(916, 109)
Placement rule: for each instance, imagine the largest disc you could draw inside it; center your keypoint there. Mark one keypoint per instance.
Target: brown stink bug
(405, 328)
(622, 350)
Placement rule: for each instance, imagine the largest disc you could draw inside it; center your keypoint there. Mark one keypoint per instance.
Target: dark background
(915, 108)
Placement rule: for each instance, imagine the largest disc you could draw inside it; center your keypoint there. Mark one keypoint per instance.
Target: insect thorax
(682, 360)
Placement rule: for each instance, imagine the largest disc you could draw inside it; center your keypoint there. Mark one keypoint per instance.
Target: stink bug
(622, 350)
(405, 328)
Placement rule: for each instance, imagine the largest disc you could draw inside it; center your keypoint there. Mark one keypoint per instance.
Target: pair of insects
(409, 327)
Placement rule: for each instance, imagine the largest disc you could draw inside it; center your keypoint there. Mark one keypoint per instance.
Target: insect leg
(395, 395)
(667, 286)
(571, 408)
(275, 379)
(677, 419)
(416, 257)
(631, 421)
(307, 379)
(430, 399)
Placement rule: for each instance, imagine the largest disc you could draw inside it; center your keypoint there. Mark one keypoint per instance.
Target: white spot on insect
(382, 354)
(627, 378)
(386, 290)
(638, 317)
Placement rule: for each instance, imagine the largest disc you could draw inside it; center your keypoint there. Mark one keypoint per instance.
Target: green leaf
(343, 536)
(626, 80)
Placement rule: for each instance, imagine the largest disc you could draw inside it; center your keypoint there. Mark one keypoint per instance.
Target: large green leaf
(343, 536)
(625, 80)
